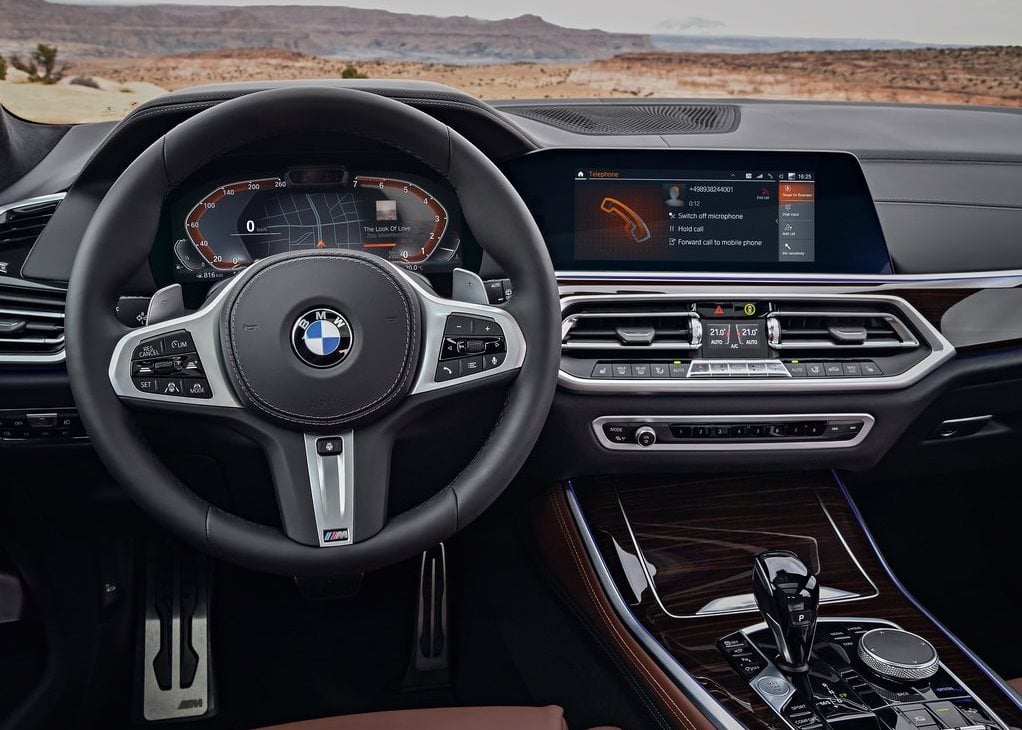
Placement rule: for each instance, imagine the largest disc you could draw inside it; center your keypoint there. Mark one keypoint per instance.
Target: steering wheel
(320, 357)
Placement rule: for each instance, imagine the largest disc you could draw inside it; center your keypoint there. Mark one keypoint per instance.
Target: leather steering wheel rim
(118, 241)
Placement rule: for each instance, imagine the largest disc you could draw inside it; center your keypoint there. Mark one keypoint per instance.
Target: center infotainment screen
(703, 211)
(695, 216)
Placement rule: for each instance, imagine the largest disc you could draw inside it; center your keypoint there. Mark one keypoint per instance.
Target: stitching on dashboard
(361, 410)
(672, 705)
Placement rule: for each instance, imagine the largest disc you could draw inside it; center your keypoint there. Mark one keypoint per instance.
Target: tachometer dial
(240, 222)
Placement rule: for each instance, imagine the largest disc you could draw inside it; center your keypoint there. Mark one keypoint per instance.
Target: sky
(972, 22)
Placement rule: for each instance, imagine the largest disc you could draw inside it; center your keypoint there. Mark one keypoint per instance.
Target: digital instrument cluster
(226, 226)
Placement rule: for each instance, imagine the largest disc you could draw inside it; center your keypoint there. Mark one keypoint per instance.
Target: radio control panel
(732, 433)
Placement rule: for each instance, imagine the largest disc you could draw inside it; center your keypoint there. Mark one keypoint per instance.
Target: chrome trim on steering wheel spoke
(332, 484)
(204, 327)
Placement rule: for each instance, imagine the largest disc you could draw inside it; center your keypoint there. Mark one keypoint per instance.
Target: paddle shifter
(788, 596)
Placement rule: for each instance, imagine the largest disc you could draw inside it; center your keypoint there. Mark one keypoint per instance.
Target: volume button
(645, 436)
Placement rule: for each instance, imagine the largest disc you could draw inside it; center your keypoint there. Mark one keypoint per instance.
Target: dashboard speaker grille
(629, 119)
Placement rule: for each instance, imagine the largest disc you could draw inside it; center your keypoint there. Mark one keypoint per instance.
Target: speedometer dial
(240, 222)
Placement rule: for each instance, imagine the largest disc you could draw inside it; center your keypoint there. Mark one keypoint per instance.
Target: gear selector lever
(788, 596)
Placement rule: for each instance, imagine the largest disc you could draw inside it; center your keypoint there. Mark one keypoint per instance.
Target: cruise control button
(150, 348)
(494, 360)
(196, 388)
(448, 370)
(471, 365)
(178, 343)
(189, 366)
(169, 386)
(143, 369)
(146, 385)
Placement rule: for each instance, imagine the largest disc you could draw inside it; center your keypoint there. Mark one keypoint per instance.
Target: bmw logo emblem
(321, 338)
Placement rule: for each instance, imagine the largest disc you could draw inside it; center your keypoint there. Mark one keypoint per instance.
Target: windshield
(97, 60)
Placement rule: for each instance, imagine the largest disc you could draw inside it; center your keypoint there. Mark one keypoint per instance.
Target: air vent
(800, 330)
(21, 223)
(31, 324)
(628, 119)
(640, 330)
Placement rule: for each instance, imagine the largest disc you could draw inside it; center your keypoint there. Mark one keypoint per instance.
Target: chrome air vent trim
(691, 340)
(17, 298)
(940, 350)
(776, 330)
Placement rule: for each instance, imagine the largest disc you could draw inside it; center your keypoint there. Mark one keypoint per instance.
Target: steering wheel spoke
(464, 343)
(331, 488)
(176, 363)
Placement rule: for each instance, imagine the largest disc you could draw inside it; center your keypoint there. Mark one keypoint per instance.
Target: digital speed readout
(734, 339)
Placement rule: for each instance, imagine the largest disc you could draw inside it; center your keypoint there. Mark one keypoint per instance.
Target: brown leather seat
(443, 718)
(1016, 684)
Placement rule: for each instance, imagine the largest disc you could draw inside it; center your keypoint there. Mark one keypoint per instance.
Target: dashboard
(741, 274)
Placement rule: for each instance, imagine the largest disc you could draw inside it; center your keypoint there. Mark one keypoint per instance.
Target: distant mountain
(693, 43)
(148, 30)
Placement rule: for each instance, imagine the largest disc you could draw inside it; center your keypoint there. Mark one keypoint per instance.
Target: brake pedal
(429, 666)
(175, 661)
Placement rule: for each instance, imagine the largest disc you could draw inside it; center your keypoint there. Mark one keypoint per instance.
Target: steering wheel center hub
(316, 340)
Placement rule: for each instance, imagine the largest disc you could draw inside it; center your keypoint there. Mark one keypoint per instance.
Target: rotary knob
(898, 655)
(645, 436)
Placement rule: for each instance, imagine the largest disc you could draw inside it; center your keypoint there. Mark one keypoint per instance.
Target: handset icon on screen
(634, 224)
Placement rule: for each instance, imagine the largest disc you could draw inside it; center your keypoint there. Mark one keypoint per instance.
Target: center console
(842, 672)
(759, 601)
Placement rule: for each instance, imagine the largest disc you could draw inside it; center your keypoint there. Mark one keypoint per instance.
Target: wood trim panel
(811, 505)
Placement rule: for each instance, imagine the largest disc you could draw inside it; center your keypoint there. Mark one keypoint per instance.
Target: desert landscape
(121, 56)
